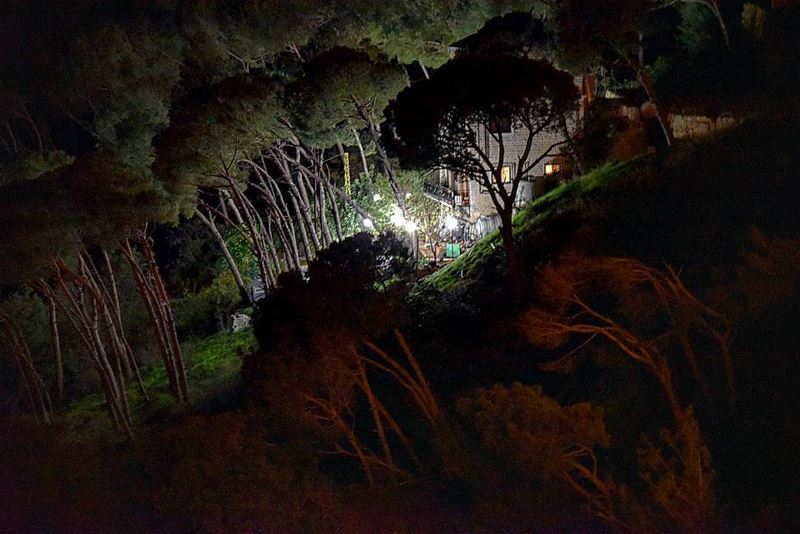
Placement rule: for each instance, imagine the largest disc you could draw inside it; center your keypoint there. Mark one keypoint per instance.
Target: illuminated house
(473, 202)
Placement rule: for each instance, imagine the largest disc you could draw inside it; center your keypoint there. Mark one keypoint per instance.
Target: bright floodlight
(397, 218)
(369, 224)
(450, 222)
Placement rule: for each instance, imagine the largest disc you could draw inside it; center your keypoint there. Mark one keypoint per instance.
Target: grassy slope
(696, 210)
(212, 365)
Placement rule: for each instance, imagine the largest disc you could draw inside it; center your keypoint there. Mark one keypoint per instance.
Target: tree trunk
(208, 221)
(32, 383)
(166, 312)
(83, 305)
(323, 218)
(644, 81)
(256, 235)
(55, 338)
(303, 233)
(156, 301)
(112, 313)
(307, 210)
(325, 176)
(385, 161)
(361, 154)
(512, 255)
(425, 71)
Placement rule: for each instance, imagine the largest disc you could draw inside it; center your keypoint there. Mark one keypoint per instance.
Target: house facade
(472, 203)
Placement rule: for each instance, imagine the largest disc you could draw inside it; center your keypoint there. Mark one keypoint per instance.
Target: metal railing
(439, 192)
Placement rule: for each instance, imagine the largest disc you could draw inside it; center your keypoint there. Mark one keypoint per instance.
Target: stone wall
(686, 125)
(693, 126)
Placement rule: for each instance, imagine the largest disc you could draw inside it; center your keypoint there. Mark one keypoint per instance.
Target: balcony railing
(448, 197)
(439, 192)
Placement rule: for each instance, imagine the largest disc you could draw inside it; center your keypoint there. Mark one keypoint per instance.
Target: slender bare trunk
(83, 304)
(388, 167)
(290, 227)
(208, 221)
(303, 233)
(44, 291)
(32, 383)
(512, 256)
(361, 154)
(323, 218)
(256, 235)
(644, 81)
(151, 289)
(425, 71)
(163, 302)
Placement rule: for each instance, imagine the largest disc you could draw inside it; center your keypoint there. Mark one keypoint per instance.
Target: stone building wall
(514, 146)
(686, 125)
(693, 126)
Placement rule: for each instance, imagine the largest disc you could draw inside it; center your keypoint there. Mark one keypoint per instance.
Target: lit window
(552, 168)
(505, 174)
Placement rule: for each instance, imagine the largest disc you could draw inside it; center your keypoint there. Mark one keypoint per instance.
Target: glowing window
(552, 168)
(505, 174)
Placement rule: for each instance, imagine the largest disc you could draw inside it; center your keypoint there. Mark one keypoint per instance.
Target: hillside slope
(723, 214)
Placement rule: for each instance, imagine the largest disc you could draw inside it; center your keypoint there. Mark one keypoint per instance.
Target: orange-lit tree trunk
(112, 316)
(55, 340)
(84, 305)
(32, 383)
(157, 302)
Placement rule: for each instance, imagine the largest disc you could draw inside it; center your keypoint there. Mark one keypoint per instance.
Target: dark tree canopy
(335, 83)
(434, 121)
(232, 120)
(516, 33)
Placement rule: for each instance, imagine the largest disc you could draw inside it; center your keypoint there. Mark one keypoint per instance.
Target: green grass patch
(212, 364)
(528, 220)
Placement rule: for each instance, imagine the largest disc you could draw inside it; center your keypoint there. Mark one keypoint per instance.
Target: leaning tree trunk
(362, 155)
(82, 303)
(324, 175)
(256, 233)
(112, 315)
(283, 210)
(388, 167)
(32, 383)
(321, 213)
(637, 65)
(151, 289)
(299, 199)
(55, 340)
(208, 221)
